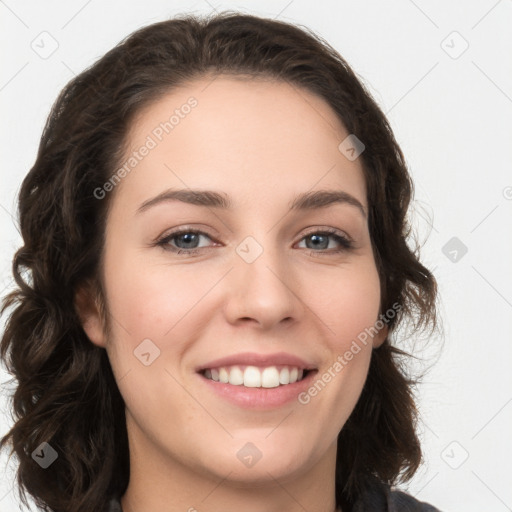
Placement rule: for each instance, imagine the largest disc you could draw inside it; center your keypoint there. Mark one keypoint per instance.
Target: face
(279, 291)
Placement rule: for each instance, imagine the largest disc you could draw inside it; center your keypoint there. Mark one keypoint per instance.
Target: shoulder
(378, 496)
(400, 501)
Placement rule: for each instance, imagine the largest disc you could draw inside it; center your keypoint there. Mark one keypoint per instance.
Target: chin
(251, 466)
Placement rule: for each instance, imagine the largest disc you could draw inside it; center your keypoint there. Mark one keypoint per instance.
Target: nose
(262, 292)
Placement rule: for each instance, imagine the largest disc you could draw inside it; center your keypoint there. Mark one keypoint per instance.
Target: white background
(452, 118)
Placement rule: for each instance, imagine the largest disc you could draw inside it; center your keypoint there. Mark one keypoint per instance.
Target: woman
(215, 257)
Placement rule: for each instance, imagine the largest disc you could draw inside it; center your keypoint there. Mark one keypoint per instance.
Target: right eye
(185, 239)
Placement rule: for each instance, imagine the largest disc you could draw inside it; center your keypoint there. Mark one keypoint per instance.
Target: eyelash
(346, 244)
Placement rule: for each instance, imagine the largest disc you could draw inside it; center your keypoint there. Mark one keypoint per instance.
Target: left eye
(320, 238)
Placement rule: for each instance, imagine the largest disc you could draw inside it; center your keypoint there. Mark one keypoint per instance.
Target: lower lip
(260, 398)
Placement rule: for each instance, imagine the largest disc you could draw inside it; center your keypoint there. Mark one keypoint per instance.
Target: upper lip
(254, 359)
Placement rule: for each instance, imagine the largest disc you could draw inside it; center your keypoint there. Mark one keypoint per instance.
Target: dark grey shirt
(377, 498)
(382, 498)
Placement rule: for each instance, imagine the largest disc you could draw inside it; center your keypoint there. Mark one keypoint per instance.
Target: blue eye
(185, 241)
(320, 238)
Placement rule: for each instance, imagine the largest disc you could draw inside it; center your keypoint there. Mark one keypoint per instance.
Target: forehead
(256, 138)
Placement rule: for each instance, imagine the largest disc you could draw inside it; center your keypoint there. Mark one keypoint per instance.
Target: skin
(262, 143)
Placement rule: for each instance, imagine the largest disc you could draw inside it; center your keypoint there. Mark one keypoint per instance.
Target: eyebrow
(212, 199)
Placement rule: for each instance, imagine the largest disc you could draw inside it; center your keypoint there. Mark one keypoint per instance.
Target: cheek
(149, 299)
(348, 302)
(149, 306)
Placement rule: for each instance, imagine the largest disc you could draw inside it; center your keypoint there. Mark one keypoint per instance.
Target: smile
(254, 376)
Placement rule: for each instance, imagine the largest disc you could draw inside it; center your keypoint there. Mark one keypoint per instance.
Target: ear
(380, 337)
(89, 311)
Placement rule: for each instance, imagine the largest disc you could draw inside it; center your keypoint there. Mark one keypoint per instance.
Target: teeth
(254, 377)
(284, 376)
(223, 375)
(236, 376)
(270, 378)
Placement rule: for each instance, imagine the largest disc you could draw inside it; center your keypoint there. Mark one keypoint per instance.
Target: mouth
(257, 388)
(249, 376)
(256, 381)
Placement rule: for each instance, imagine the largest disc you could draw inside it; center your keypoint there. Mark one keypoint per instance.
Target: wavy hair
(65, 393)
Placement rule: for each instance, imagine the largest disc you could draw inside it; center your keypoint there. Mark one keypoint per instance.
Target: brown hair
(66, 394)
